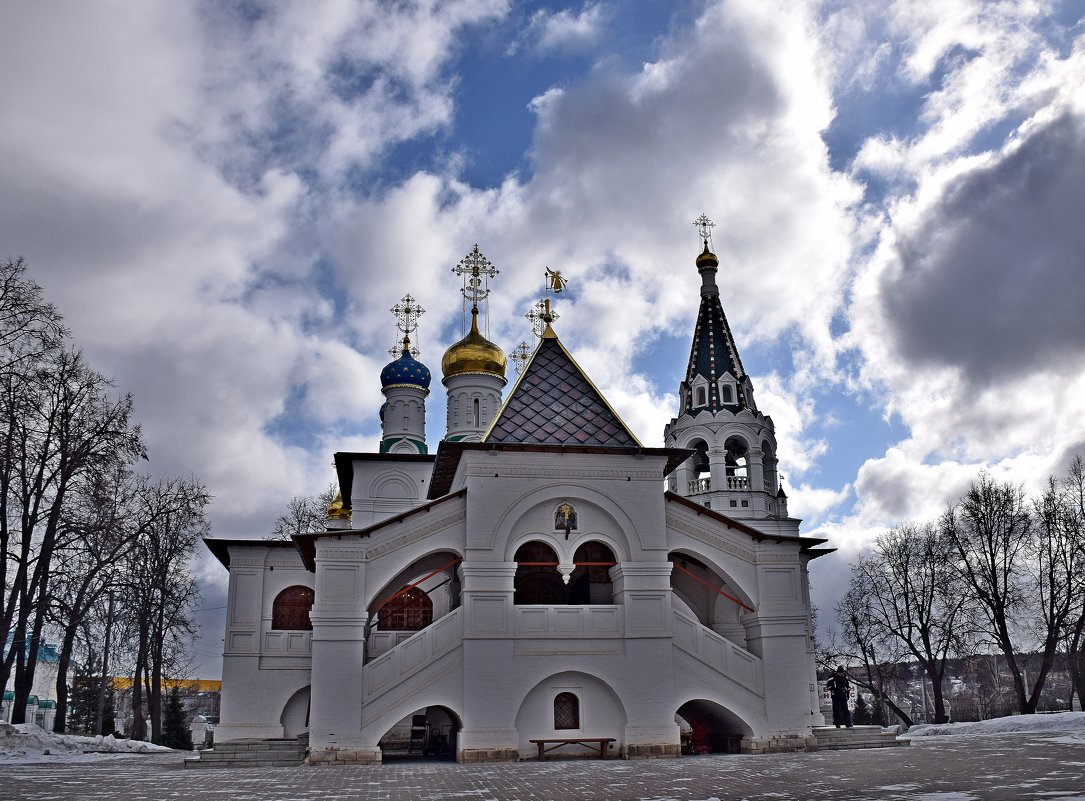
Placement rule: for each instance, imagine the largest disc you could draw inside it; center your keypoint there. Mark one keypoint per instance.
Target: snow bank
(25, 742)
(1073, 722)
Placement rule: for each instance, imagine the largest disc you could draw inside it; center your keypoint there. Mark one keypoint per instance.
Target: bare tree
(161, 593)
(101, 527)
(60, 420)
(867, 643)
(1063, 506)
(1014, 560)
(305, 513)
(914, 594)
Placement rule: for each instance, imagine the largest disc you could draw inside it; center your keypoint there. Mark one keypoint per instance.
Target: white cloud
(563, 31)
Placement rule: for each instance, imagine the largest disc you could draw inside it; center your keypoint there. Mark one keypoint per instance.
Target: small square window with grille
(566, 711)
(745, 503)
(734, 503)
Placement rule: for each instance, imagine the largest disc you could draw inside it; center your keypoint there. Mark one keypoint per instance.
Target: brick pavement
(1043, 767)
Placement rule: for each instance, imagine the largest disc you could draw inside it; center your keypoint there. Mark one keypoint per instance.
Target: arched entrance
(295, 716)
(707, 728)
(425, 734)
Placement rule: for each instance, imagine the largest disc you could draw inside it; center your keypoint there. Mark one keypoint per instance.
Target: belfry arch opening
(700, 468)
(736, 462)
(705, 727)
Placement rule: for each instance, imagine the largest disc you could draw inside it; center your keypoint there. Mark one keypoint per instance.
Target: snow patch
(26, 742)
(1063, 722)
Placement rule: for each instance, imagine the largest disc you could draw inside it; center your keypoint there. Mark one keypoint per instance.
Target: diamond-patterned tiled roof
(554, 403)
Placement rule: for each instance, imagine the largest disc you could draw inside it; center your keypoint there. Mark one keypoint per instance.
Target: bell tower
(734, 468)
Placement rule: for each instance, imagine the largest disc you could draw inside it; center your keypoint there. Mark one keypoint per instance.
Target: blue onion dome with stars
(406, 370)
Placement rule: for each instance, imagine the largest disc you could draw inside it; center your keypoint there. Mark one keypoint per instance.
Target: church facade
(541, 577)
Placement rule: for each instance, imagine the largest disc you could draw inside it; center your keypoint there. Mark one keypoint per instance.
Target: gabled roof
(554, 403)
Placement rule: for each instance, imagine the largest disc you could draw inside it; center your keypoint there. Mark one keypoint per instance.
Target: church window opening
(411, 610)
(566, 711)
(537, 578)
(590, 581)
(727, 394)
(476, 413)
(701, 397)
(290, 609)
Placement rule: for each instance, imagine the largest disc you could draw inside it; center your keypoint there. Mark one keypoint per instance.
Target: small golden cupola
(474, 354)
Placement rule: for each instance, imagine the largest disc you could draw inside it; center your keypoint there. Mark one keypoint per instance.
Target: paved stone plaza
(1050, 767)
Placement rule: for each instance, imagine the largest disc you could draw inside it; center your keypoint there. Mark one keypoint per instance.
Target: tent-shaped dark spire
(554, 403)
(713, 353)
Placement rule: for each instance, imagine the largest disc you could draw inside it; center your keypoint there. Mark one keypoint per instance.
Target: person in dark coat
(838, 685)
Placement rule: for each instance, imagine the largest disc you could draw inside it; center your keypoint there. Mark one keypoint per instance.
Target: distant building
(542, 576)
(41, 705)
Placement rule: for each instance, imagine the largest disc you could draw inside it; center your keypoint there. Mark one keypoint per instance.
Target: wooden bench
(601, 743)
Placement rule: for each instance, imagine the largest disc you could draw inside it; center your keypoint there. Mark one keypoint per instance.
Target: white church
(542, 585)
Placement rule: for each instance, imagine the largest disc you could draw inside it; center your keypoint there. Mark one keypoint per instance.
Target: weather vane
(476, 271)
(520, 355)
(407, 312)
(704, 228)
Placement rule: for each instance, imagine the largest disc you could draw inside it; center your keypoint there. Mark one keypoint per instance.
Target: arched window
(566, 711)
(590, 581)
(537, 578)
(290, 609)
(411, 610)
(701, 397)
(476, 413)
(727, 394)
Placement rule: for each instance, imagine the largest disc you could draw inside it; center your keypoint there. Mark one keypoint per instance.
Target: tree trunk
(65, 657)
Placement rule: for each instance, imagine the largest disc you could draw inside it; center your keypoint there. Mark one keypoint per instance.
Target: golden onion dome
(474, 354)
(707, 258)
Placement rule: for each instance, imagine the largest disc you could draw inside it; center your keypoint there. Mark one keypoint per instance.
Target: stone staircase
(831, 738)
(253, 754)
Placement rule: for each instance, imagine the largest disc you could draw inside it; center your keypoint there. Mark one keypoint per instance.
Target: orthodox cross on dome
(476, 271)
(520, 354)
(406, 312)
(704, 228)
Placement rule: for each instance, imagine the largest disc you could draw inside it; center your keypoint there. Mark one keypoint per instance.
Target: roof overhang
(449, 453)
(306, 543)
(805, 543)
(220, 549)
(344, 467)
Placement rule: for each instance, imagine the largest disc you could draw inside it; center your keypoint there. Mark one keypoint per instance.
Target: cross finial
(704, 227)
(476, 271)
(541, 315)
(520, 355)
(407, 312)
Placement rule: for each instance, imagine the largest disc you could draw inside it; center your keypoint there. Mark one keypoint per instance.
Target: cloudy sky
(225, 199)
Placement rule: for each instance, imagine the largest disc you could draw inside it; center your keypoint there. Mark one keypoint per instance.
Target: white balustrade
(718, 652)
(567, 621)
(287, 643)
(421, 649)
